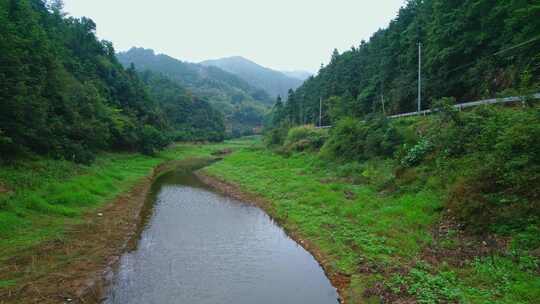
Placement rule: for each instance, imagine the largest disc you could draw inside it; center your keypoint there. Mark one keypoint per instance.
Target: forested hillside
(274, 82)
(460, 185)
(471, 49)
(242, 104)
(192, 118)
(64, 94)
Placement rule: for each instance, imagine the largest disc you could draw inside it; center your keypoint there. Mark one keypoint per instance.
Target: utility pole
(320, 111)
(419, 77)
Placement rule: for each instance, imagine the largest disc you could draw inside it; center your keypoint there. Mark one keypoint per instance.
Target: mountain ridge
(275, 83)
(242, 104)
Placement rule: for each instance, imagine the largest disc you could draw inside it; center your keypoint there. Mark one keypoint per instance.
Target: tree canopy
(471, 49)
(63, 93)
(242, 104)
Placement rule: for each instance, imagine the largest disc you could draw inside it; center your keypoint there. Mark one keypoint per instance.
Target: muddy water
(197, 246)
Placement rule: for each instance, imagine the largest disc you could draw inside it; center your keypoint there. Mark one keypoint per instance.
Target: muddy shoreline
(340, 281)
(79, 268)
(107, 233)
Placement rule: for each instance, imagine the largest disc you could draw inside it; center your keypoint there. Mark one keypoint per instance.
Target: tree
(472, 49)
(56, 6)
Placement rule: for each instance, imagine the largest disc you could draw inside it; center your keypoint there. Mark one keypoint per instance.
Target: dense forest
(242, 104)
(482, 165)
(274, 82)
(471, 49)
(64, 94)
(192, 118)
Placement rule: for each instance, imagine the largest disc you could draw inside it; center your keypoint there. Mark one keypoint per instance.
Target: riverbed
(196, 245)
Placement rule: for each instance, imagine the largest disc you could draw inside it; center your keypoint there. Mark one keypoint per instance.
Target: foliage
(509, 284)
(471, 49)
(152, 140)
(305, 138)
(63, 92)
(432, 289)
(486, 159)
(364, 232)
(275, 137)
(417, 153)
(352, 139)
(242, 105)
(191, 118)
(339, 215)
(503, 163)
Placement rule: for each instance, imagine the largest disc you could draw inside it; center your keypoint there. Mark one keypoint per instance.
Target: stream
(198, 246)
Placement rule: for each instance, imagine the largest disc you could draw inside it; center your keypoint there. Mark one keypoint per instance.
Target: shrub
(275, 137)
(7, 147)
(152, 140)
(499, 187)
(77, 152)
(417, 153)
(352, 139)
(305, 138)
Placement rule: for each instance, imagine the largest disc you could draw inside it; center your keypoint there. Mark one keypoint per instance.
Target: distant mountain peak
(272, 81)
(208, 81)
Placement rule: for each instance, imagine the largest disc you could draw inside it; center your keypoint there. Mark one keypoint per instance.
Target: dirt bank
(340, 281)
(76, 267)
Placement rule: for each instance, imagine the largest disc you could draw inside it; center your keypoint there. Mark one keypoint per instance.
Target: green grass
(342, 210)
(345, 209)
(338, 215)
(47, 196)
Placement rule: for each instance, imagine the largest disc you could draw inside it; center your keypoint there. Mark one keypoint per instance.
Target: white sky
(281, 34)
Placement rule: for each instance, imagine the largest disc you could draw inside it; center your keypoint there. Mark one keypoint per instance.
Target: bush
(275, 137)
(499, 186)
(77, 152)
(7, 147)
(305, 138)
(417, 153)
(152, 140)
(352, 139)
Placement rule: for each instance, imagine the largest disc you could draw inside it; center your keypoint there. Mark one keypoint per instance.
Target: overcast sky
(281, 34)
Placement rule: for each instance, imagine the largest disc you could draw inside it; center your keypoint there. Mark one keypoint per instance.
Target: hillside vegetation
(440, 209)
(192, 118)
(242, 104)
(436, 209)
(471, 49)
(64, 94)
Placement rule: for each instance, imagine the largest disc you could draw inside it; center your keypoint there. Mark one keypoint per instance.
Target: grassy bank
(43, 200)
(397, 243)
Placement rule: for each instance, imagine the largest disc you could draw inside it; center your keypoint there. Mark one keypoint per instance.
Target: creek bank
(340, 281)
(77, 267)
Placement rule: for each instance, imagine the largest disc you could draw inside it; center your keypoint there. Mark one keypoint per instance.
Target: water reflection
(197, 246)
